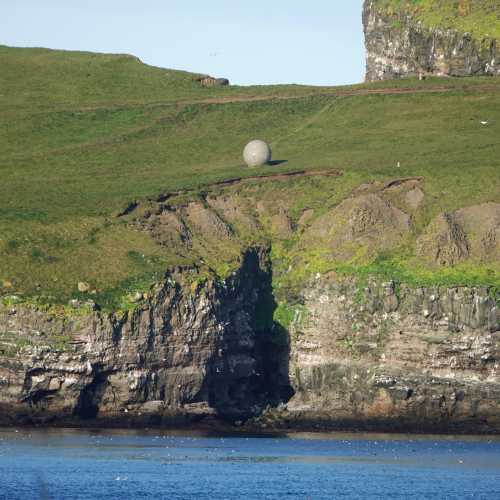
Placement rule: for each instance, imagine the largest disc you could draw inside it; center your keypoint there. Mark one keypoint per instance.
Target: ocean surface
(83, 464)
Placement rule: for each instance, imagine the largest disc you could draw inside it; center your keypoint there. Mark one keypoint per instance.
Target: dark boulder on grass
(210, 81)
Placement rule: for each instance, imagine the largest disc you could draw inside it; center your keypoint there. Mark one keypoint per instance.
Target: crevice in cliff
(273, 346)
(250, 375)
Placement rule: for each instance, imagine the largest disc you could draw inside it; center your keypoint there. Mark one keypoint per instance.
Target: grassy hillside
(83, 134)
(481, 18)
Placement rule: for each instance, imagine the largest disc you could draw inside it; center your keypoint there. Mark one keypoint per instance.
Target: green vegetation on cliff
(481, 18)
(82, 135)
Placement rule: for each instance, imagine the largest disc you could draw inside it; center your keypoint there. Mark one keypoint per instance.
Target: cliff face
(190, 350)
(268, 347)
(360, 356)
(399, 45)
(378, 356)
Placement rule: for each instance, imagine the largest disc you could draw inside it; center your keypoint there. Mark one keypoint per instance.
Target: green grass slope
(83, 134)
(481, 18)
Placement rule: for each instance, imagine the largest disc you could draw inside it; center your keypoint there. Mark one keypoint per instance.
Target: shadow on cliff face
(254, 373)
(272, 349)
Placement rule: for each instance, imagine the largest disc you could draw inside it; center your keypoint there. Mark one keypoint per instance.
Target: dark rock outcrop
(398, 45)
(210, 81)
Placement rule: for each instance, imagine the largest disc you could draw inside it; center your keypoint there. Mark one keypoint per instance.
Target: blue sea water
(78, 464)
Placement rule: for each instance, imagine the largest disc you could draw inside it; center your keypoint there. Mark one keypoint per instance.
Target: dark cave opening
(90, 397)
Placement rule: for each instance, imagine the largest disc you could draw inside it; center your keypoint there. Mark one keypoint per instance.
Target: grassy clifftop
(82, 135)
(481, 18)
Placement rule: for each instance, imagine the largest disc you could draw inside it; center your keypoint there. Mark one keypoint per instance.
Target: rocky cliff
(275, 344)
(400, 43)
(190, 350)
(380, 356)
(371, 355)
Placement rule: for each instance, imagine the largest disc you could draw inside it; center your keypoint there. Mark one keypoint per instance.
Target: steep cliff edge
(418, 38)
(356, 355)
(379, 356)
(287, 339)
(190, 350)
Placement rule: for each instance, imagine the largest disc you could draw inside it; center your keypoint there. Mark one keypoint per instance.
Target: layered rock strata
(398, 45)
(377, 356)
(189, 351)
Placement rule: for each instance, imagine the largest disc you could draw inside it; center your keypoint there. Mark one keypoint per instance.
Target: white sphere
(257, 153)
